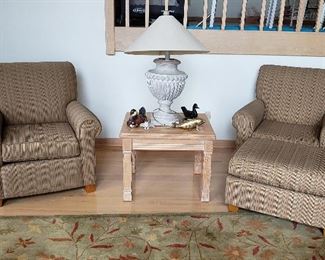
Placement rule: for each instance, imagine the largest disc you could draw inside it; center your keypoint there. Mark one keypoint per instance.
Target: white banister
(213, 13)
(293, 9)
(243, 15)
(185, 13)
(301, 14)
(320, 15)
(224, 14)
(147, 14)
(205, 13)
(262, 19)
(281, 16)
(271, 13)
(127, 13)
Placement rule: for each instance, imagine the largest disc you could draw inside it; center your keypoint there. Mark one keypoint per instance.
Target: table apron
(168, 145)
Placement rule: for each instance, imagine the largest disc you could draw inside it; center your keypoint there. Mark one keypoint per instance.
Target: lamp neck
(166, 67)
(167, 55)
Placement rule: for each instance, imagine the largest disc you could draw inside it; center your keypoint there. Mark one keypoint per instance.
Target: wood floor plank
(164, 183)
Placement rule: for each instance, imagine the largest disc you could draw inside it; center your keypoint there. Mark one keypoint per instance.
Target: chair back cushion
(292, 95)
(36, 92)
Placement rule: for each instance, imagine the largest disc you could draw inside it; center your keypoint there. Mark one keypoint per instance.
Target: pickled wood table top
(205, 131)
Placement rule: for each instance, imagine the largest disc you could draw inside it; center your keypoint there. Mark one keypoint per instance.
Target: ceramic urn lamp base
(166, 83)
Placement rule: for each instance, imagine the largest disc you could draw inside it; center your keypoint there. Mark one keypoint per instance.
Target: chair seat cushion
(39, 142)
(294, 133)
(295, 167)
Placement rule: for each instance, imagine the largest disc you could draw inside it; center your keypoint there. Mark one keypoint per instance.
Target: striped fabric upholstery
(294, 133)
(36, 92)
(247, 119)
(48, 138)
(285, 165)
(39, 142)
(322, 134)
(279, 166)
(37, 177)
(299, 207)
(80, 118)
(292, 95)
(87, 127)
(1, 130)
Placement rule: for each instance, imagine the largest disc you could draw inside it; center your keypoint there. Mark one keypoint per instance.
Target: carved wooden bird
(190, 114)
(136, 119)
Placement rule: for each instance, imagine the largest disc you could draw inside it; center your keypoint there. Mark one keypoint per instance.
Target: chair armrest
(82, 120)
(322, 133)
(247, 119)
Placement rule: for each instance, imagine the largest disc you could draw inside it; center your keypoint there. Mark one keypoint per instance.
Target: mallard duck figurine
(137, 118)
(190, 114)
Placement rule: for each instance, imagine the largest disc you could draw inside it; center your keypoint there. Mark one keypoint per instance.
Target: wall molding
(104, 143)
(232, 42)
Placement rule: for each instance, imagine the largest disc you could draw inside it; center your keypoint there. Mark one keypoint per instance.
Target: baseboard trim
(108, 142)
(102, 143)
(225, 144)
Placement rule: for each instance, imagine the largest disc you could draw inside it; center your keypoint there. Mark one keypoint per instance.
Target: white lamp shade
(166, 34)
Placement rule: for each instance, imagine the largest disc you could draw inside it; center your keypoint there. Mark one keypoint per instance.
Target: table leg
(134, 156)
(206, 176)
(198, 158)
(127, 170)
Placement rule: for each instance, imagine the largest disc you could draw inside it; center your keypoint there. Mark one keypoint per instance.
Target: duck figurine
(137, 118)
(190, 114)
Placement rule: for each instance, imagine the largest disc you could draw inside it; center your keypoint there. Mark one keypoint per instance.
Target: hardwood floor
(164, 183)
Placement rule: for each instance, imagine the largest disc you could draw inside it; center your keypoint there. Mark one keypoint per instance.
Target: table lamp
(166, 36)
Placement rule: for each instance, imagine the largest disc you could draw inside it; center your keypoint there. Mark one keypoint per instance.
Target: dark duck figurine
(190, 114)
(136, 119)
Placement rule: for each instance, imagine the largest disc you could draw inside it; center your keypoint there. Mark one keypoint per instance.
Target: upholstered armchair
(289, 106)
(47, 138)
(279, 165)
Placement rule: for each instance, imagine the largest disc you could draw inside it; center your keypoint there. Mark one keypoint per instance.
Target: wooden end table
(168, 139)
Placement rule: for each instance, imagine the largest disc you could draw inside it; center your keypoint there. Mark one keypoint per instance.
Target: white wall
(73, 30)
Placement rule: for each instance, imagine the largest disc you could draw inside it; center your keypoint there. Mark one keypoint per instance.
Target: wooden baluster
(147, 14)
(293, 8)
(205, 13)
(185, 13)
(224, 14)
(213, 13)
(110, 27)
(166, 5)
(243, 15)
(281, 16)
(262, 19)
(127, 13)
(271, 13)
(320, 14)
(301, 14)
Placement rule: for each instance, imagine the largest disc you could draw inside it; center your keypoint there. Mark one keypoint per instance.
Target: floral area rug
(209, 236)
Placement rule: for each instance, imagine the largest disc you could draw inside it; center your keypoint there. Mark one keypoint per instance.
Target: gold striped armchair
(279, 166)
(47, 138)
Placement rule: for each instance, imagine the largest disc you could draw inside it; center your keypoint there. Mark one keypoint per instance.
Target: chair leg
(232, 208)
(90, 188)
